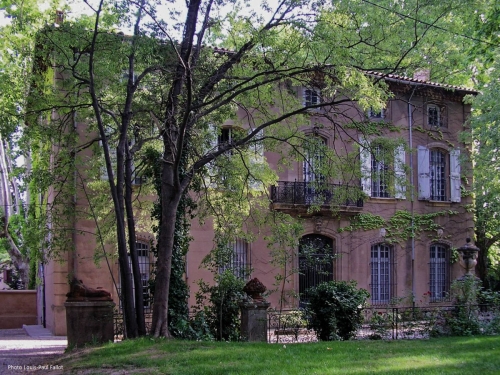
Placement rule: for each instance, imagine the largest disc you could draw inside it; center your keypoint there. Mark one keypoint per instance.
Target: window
(312, 170)
(144, 258)
(381, 273)
(238, 262)
(382, 171)
(439, 283)
(437, 165)
(438, 174)
(311, 97)
(433, 115)
(225, 136)
(372, 113)
(229, 134)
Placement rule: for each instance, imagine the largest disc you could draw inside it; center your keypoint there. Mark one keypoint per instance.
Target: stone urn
(468, 257)
(254, 288)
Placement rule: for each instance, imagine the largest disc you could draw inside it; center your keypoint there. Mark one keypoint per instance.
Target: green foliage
(336, 309)
(399, 227)
(464, 320)
(218, 308)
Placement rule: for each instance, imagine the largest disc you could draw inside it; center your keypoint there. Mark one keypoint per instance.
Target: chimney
(59, 17)
(422, 75)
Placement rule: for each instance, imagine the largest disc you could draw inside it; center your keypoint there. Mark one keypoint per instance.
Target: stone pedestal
(89, 322)
(254, 320)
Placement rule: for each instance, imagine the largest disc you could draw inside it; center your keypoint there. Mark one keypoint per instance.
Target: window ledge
(382, 200)
(439, 203)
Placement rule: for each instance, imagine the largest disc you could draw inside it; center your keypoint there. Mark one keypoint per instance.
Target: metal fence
(389, 323)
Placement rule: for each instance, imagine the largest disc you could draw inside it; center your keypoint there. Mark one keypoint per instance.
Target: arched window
(316, 254)
(382, 279)
(439, 273)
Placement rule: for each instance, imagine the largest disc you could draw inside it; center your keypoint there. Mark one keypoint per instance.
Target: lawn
(464, 355)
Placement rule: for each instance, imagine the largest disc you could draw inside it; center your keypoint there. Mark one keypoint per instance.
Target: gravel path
(21, 353)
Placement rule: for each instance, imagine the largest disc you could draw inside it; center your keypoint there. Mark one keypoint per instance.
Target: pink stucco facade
(410, 268)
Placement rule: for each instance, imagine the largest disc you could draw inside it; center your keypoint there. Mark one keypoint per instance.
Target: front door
(316, 256)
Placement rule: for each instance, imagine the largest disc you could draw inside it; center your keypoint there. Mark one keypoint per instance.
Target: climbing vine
(399, 227)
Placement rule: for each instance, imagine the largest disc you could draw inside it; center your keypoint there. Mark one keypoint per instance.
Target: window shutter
(423, 173)
(455, 175)
(365, 158)
(399, 172)
(112, 156)
(214, 138)
(257, 148)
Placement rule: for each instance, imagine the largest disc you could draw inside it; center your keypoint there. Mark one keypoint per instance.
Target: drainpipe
(412, 193)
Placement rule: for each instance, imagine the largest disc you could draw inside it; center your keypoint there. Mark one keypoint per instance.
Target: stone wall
(17, 307)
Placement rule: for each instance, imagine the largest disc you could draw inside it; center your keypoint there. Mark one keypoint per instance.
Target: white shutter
(213, 137)
(424, 191)
(257, 148)
(112, 157)
(455, 175)
(399, 172)
(365, 158)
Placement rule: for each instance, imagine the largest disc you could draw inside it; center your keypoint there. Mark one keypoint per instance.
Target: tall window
(238, 262)
(438, 180)
(145, 266)
(439, 283)
(313, 176)
(381, 277)
(382, 170)
(380, 173)
(434, 115)
(316, 255)
(437, 166)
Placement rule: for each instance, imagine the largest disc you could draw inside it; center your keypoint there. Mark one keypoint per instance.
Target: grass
(469, 355)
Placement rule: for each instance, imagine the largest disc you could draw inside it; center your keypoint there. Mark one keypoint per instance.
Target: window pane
(437, 166)
(380, 273)
(439, 273)
(380, 173)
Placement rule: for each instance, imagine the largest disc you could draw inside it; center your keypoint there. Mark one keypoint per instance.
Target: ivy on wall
(399, 227)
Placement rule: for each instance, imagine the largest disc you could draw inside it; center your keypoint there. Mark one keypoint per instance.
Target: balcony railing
(314, 193)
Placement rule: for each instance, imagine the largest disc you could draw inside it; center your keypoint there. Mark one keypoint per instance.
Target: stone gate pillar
(89, 315)
(89, 322)
(254, 313)
(254, 320)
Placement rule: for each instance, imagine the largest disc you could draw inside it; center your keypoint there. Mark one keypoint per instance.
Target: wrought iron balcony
(313, 193)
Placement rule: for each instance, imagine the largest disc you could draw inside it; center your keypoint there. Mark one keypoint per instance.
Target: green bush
(464, 321)
(335, 309)
(218, 309)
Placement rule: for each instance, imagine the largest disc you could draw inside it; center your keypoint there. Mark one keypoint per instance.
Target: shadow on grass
(477, 355)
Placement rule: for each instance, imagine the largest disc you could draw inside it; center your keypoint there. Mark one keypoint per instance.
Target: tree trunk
(170, 198)
(136, 271)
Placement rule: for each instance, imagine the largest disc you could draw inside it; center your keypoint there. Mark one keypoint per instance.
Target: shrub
(218, 309)
(335, 309)
(464, 320)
